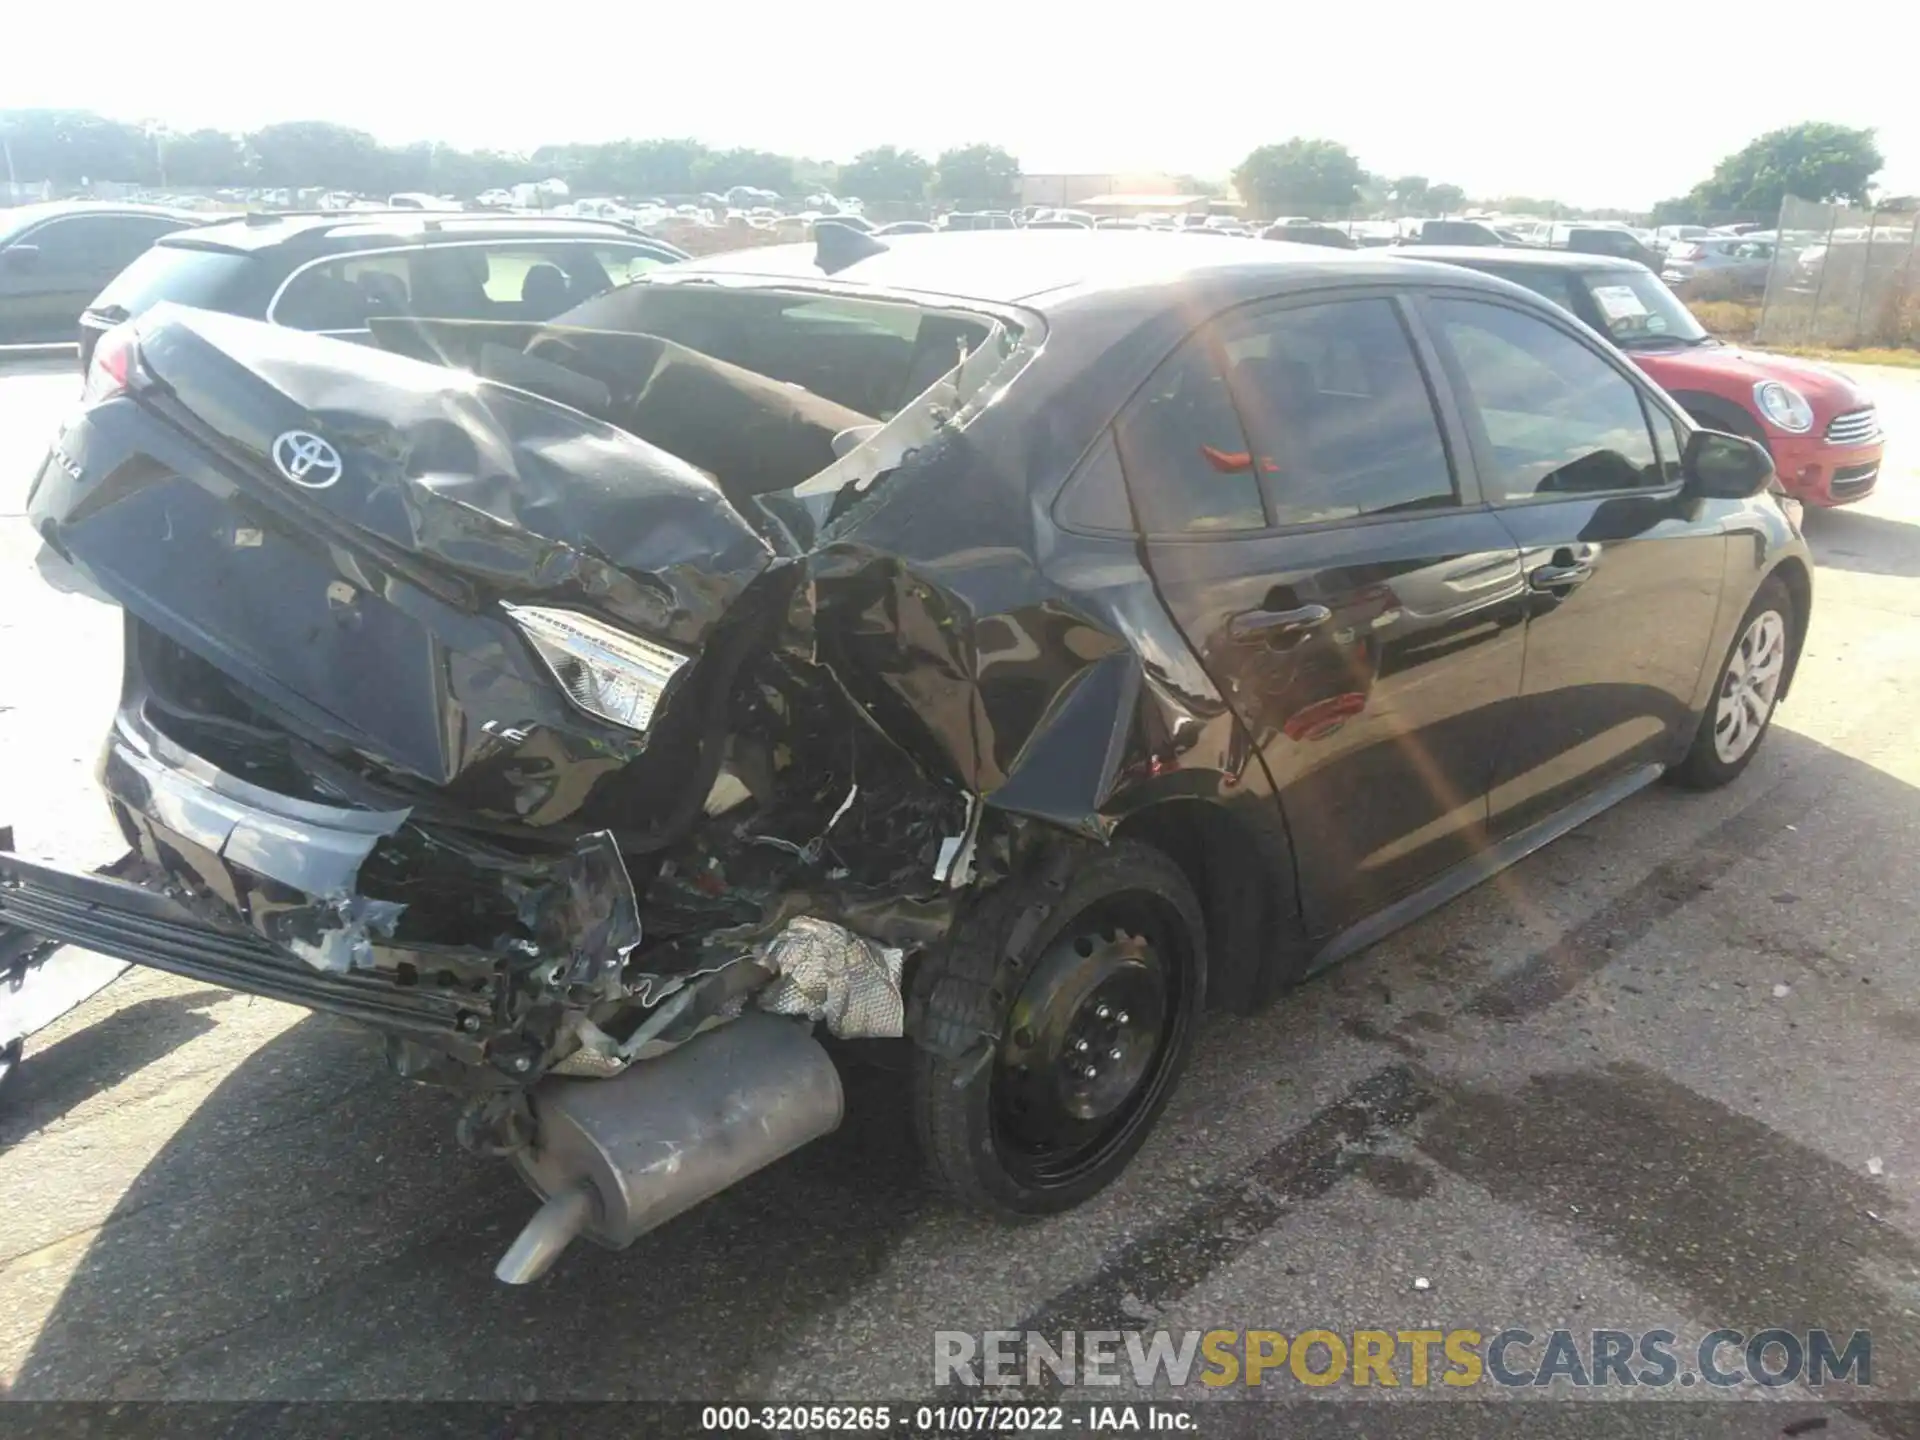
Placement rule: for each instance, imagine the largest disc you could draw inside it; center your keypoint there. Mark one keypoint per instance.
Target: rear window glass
(873, 356)
(183, 274)
(518, 280)
(1554, 285)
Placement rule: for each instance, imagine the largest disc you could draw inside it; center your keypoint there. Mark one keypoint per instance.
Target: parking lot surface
(1636, 1082)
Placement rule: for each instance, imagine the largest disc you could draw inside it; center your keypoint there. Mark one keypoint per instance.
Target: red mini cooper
(1821, 428)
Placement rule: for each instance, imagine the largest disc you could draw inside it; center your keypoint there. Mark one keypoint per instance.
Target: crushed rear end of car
(526, 712)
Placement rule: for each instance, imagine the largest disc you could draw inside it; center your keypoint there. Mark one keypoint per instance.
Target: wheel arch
(1243, 875)
(1717, 412)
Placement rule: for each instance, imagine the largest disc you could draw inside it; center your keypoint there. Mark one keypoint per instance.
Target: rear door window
(1187, 461)
(343, 294)
(537, 282)
(624, 264)
(1338, 410)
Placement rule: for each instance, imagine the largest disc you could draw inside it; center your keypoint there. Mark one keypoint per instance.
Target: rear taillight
(116, 368)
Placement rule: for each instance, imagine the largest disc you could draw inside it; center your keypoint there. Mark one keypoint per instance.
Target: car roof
(359, 229)
(1521, 256)
(1023, 266)
(19, 217)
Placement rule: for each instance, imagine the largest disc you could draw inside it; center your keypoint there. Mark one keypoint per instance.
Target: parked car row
(1731, 262)
(338, 274)
(1041, 217)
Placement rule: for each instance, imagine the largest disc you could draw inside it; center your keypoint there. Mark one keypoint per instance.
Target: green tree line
(68, 147)
(1813, 160)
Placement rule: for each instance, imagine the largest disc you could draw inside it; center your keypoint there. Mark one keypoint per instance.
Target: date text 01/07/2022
(947, 1419)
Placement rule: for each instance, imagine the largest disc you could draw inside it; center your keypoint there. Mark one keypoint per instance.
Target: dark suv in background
(333, 273)
(55, 257)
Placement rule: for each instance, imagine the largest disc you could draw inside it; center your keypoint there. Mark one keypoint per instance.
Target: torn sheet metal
(811, 851)
(337, 934)
(826, 972)
(590, 920)
(949, 402)
(954, 866)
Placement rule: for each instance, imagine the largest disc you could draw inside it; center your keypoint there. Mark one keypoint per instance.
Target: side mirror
(1725, 467)
(20, 259)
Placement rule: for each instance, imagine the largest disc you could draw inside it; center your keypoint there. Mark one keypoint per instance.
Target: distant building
(1118, 194)
(1150, 203)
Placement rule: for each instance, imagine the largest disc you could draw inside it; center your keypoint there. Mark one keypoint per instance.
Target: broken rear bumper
(288, 866)
(263, 892)
(241, 886)
(129, 922)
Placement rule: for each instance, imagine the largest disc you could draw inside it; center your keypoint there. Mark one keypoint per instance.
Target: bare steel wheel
(1749, 685)
(1087, 990)
(1072, 1071)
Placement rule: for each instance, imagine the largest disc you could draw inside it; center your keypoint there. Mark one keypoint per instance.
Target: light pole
(157, 134)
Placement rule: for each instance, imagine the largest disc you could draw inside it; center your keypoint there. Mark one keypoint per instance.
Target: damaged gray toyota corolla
(601, 708)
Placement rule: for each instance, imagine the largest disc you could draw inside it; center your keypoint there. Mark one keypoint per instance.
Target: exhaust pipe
(617, 1158)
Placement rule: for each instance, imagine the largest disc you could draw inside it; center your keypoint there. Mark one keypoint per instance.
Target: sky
(1599, 105)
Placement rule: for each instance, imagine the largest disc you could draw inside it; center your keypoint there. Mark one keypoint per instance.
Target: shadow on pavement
(1867, 544)
(99, 1057)
(313, 1230)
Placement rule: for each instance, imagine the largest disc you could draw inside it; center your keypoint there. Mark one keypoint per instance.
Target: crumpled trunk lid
(496, 484)
(365, 608)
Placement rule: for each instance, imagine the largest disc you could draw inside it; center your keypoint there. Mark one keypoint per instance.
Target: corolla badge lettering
(306, 459)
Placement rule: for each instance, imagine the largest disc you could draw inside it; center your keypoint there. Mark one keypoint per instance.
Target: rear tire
(1745, 693)
(1091, 985)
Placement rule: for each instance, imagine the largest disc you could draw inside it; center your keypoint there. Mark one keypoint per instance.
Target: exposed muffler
(616, 1158)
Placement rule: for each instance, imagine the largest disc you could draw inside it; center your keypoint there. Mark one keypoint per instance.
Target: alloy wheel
(1750, 686)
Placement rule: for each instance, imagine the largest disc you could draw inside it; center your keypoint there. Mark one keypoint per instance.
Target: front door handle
(1559, 577)
(1273, 626)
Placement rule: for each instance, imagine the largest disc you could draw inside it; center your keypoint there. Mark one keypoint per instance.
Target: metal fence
(1843, 277)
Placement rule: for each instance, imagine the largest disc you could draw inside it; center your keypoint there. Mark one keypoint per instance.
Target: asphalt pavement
(1661, 1075)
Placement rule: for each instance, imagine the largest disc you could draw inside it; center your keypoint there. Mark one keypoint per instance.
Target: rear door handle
(1559, 577)
(1272, 625)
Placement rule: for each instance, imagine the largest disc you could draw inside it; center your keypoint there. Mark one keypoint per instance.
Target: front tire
(1090, 985)
(1746, 692)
